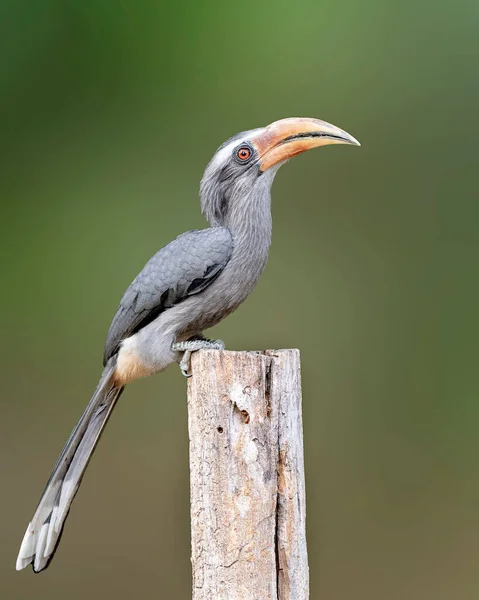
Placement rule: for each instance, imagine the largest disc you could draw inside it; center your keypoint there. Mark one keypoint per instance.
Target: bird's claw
(185, 364)
(193, 345)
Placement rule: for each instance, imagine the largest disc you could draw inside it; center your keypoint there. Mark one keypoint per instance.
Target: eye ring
(243, 153)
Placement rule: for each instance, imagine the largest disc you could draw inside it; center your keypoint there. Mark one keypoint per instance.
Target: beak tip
(353, 141)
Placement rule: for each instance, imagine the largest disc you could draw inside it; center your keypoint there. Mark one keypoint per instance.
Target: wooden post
(247, 476)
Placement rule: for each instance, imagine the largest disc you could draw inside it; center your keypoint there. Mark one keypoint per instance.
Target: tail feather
(44, 531)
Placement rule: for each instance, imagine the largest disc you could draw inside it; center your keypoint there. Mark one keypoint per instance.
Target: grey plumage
(187, 287)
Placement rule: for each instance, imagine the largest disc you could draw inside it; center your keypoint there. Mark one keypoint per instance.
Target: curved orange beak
(284, 139)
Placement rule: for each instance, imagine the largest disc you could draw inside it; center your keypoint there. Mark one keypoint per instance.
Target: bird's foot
(192, 345)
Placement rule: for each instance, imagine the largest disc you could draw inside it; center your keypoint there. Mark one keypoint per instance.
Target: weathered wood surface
(293, 572)
(247, 476)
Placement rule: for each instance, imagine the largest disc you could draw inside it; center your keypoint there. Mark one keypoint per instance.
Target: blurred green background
(109, 112)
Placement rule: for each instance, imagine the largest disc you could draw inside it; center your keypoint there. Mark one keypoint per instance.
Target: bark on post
(247, 476)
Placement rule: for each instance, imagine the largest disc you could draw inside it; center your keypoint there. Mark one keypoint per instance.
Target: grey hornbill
(187, 287)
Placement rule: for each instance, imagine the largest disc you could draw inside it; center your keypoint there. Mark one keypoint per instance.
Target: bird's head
(248, 162)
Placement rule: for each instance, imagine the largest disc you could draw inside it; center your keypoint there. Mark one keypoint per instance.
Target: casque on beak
(286, 138)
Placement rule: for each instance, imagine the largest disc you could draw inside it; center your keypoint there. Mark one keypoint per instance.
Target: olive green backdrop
(109, 112)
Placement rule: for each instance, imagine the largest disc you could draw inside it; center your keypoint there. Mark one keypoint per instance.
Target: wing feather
(184, 267)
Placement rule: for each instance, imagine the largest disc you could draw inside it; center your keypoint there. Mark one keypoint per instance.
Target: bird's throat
(250, 224)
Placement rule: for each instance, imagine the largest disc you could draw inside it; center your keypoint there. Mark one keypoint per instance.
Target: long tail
(44, 531)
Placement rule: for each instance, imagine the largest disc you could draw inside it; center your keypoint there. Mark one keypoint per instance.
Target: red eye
(243, 153)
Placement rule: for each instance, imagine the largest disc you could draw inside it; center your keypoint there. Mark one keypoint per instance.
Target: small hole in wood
(220, 429)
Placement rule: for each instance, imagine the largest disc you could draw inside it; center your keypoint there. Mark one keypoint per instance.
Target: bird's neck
(250, 223)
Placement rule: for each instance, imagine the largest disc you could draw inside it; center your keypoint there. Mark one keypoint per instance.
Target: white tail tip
(27, 549)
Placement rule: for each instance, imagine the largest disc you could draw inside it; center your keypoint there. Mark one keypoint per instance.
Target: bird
(187, 287)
